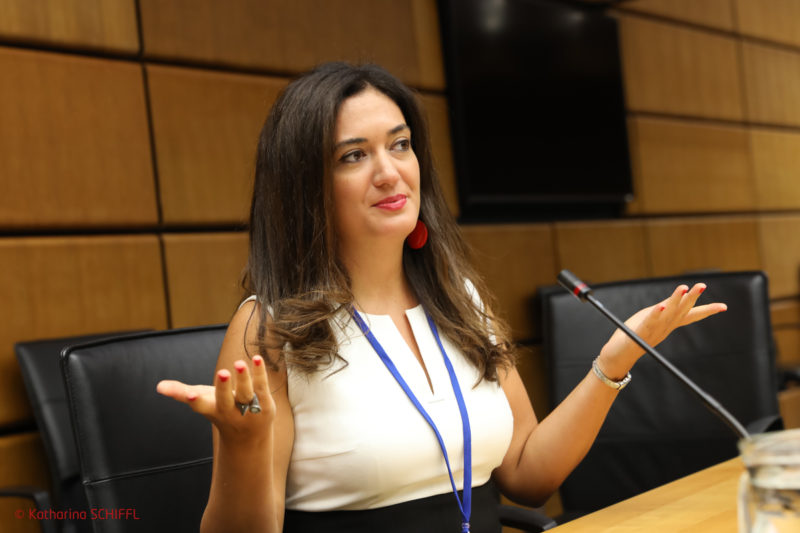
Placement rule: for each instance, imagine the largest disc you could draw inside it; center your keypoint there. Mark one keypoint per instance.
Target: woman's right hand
(218, 403)
(251, 451)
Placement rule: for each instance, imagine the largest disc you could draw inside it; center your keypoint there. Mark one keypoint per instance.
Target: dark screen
(537, 109)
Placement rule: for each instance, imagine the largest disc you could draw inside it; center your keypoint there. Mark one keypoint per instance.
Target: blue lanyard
(466, 506)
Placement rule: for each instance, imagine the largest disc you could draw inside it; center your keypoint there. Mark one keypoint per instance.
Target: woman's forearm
(563, 438)
(243, 494)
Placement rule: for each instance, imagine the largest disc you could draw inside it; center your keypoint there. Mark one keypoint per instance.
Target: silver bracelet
(617, 385)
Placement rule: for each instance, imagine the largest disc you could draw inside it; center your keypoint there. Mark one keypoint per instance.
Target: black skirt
(435, 514)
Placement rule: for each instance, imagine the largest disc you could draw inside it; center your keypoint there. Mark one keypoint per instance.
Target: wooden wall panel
(695, 244)
(428, 45)
(785, 318)
(780, 248)
(776, 165)
(442, 147)
(515, 260)
(713, 13)
(787, 345)
(203, 272)
(23, 463)
(293, 36)
(775, 20)
(74, 143)
(689, 167)
(206, 127)
(601, 251)
(772, 82)
(785, 313)
(673, 69)
(108, 25)
(789, 402)
(61, 286)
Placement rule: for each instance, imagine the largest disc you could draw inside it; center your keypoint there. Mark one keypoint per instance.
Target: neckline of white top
(404, 358)
(407, 312)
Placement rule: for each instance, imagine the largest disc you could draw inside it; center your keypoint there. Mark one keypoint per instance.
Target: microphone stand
(573, 284)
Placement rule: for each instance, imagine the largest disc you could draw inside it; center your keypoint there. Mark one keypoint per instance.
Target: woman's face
(375, 171)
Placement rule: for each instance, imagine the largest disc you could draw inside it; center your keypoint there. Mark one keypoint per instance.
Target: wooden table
(704, 501)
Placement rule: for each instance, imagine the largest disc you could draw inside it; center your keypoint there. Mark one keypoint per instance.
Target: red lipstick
(392, 203)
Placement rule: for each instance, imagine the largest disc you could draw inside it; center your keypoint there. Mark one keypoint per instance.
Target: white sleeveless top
(359, 441)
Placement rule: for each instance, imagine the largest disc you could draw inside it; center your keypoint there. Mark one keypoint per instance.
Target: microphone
(573, 284)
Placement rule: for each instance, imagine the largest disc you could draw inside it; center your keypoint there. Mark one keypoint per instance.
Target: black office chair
(140, 451)
(657, 430)
(147, 453)
(41, 373)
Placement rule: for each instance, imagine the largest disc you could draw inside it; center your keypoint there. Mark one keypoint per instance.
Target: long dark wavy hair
(293, 267)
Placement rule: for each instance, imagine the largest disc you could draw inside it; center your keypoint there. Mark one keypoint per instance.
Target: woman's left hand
(653, 324)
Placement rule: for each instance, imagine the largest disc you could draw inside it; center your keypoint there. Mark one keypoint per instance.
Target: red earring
(417, 238)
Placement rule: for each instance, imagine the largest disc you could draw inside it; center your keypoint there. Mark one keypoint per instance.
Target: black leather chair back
(41, 373)
(139, 450)
(657, 430)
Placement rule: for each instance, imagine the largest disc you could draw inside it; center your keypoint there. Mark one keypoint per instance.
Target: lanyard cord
(464, 506)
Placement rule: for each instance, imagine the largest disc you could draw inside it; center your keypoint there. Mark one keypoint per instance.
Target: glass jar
(769, 489)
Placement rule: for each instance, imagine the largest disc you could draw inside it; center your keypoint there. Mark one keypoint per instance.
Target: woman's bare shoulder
(242, 338)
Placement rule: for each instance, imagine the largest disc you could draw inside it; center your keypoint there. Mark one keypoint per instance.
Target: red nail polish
(239, 366)
(224, 377)
(662, 307)
(192, 396)
(701, 290)
(257, 360)
(685, 291)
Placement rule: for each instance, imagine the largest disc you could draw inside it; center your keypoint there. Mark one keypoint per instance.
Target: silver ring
(253, 406)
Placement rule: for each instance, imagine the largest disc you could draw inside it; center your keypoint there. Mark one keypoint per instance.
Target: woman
(378, 361)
